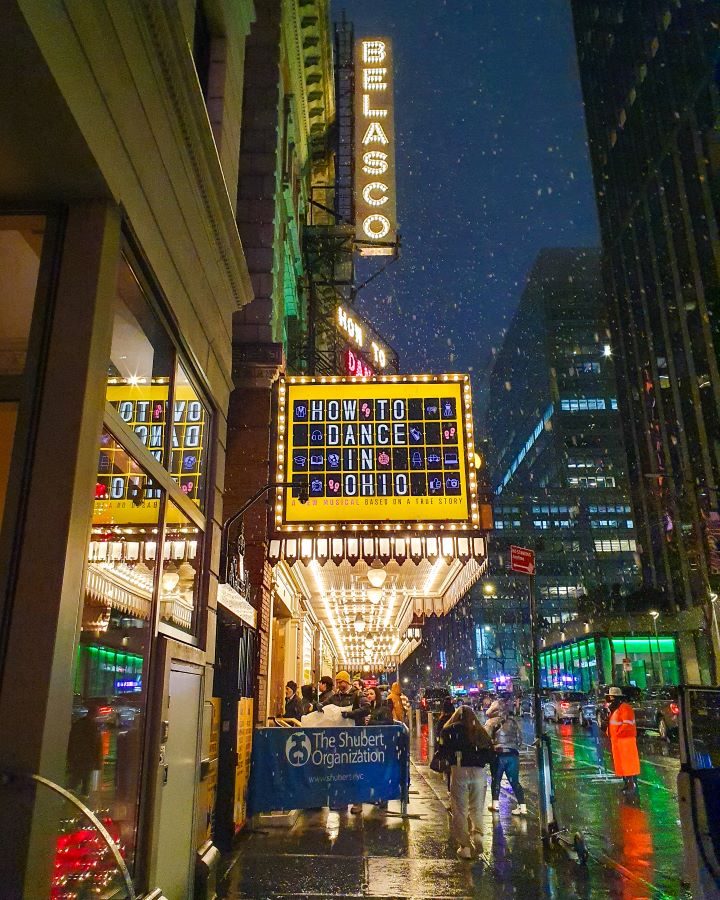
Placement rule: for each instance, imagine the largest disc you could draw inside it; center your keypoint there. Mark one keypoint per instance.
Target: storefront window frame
(200, 514)
(183, 357)
(170, 490)
(25, 390)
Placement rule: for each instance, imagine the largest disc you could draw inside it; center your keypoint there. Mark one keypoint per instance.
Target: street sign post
(522, 561)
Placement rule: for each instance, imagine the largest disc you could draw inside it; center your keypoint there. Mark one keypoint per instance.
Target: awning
(423, 573)
(120, 586)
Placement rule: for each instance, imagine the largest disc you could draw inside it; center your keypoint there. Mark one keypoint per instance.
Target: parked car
(563, 706)
(589, 710)
(657, 709)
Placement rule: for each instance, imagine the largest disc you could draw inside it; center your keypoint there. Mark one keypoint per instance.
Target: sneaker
(494, 806)
(465, 852)
(356, 808)
(520, 810)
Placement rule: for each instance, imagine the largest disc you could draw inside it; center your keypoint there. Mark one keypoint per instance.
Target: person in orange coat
(623, 739)
(400, 702)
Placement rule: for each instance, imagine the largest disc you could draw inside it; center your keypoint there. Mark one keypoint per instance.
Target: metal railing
(9, 777)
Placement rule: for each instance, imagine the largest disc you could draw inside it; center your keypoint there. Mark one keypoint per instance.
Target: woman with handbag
(468, 748)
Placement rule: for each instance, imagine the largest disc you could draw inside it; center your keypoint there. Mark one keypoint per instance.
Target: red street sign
(522, 560)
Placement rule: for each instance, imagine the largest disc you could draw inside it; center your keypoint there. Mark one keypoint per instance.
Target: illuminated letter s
(375, 162)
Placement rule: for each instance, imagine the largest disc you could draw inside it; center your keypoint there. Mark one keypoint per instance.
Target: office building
(651, 104)
(555, 457)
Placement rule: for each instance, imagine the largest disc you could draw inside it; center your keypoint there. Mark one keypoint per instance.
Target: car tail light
(675, 709)
(104, 710)
(564, 705)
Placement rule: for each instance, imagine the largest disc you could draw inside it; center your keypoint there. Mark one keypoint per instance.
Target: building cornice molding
(177, 76)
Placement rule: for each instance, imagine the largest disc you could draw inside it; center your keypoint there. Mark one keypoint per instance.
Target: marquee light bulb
(376, 574)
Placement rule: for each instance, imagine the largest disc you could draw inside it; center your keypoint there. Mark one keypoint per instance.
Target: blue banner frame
(305, 768)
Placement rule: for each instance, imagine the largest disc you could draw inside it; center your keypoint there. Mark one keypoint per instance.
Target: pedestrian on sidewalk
(506, 735)
(327, 689)
(401, 704)
(293, 704)
(308, 698)
(623, 739)
(354, 706)
(447, 712)
(468, 748)
(379, 712)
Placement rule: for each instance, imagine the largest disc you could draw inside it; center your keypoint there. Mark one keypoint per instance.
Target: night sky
(492, 165)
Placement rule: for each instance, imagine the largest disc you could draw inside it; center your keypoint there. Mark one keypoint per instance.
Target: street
(640, 840)
(635, 846)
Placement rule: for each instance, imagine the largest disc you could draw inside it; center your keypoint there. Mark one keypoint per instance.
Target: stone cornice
(178, 78)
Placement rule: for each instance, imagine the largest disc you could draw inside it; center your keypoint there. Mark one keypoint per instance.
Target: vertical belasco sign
(375, 206)
(311, 767)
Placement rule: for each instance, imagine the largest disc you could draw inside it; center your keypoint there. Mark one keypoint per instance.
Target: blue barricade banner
(304, 768)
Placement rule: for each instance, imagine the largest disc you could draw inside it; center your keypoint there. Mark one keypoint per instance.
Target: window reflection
(188, 454)
(141, 364)
(21, 240)
(181, 570)
(104, 752)
(21, 243)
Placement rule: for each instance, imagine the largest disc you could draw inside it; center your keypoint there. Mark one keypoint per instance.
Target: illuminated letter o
(376, 219)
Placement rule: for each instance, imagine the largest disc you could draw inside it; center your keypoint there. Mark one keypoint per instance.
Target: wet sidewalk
(372, 855)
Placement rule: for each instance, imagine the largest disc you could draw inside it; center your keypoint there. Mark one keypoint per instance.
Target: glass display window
(142, 359)
(181, 570)
(190, 437)
(152, 391)
(22, 239)
(109, 711)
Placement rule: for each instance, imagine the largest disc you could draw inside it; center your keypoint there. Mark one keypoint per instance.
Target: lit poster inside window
(378, 451)
(375, 206)
(144, 411)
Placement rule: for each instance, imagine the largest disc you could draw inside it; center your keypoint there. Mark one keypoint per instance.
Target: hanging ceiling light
(376, 574)
(374, 594)
(369, 642)
(359, 623)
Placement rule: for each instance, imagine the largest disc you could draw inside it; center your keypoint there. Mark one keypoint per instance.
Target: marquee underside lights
(375, 205)
(377, 454)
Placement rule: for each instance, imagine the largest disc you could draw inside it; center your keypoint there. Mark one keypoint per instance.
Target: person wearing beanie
(293, 704)
(354, 706)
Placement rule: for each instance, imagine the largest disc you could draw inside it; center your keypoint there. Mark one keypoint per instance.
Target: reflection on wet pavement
(636, 846)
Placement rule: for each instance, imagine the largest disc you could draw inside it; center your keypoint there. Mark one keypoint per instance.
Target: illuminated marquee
(349, 324)
(393, 449)
(375, 206)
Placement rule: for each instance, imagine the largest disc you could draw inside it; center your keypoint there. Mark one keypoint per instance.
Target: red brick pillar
(250, 464)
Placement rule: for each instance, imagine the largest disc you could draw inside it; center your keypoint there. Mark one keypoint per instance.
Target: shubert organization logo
(298, 749)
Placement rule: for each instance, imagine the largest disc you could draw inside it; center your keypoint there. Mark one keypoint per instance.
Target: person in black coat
(293, 704)
(309, 698)
(327, 689)
(468, 748)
